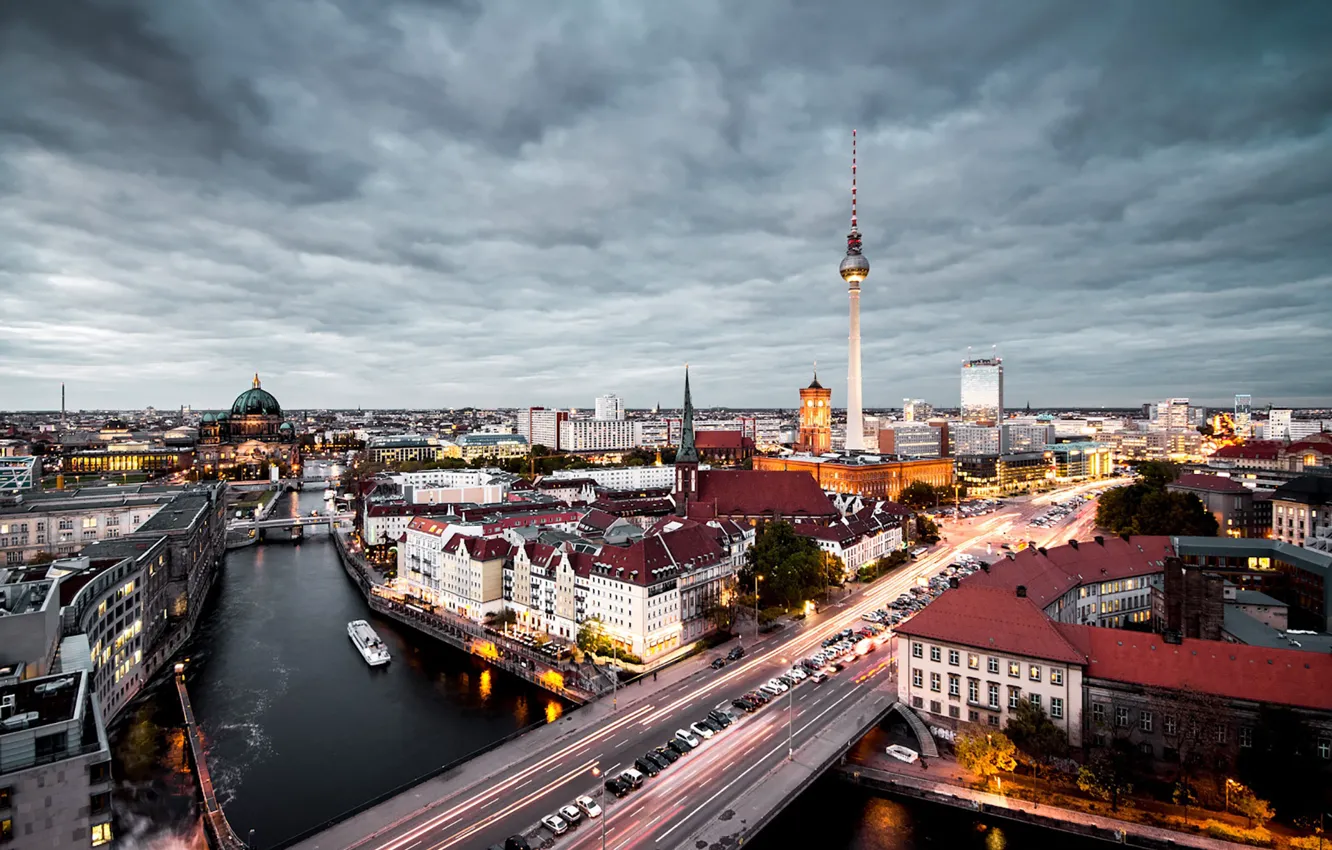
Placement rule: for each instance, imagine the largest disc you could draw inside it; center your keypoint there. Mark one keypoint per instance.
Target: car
(647, 766)
(687, 738)
(631, 776)
(781, 686)
(667, 753)
(659, 760)
(718, 663)
(555, 824)
(702, 730)
(711, 724)
(736, 653)
(516, 842)
(617, 786)
(759, 697)
(770, 688)
(680, 747)
(720, 717)
(744, 705)
(785, 679)
(571, 814)
(819, 678)
(588, 806)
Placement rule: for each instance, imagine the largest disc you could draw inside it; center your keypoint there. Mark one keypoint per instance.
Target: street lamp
(1230, 782)
(605, 808)
(757, 578)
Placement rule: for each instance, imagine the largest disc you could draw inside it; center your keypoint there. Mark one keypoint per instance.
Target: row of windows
(992, 664)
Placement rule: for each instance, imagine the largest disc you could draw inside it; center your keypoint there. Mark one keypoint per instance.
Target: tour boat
(372, 649)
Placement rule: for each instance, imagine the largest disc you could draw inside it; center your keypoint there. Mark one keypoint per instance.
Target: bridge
(718, 796)
(290, 521)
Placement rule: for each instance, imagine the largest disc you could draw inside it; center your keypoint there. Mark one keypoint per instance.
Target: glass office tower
(983, 390)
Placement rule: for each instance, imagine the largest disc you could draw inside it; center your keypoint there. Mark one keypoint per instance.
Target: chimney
(1124, 536)
(1074, 544)
(1100, 541)
(1022, 591)
(1040, 549)
(985, 566)
(953, 582)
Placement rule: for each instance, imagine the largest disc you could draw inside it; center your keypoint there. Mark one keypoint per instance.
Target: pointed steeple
(256, 380)
(687, 453)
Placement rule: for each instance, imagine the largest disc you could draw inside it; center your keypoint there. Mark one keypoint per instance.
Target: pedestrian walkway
(923, 737)
(217, 821)
(910, 781)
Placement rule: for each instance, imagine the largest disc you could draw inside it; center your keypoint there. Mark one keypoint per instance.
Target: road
(670, 806)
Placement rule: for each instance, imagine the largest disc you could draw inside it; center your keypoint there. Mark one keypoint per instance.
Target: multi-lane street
(666, 809)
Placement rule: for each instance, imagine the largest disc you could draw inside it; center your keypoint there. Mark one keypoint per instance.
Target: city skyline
(183, 214)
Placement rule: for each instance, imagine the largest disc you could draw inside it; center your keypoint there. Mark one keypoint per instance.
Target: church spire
(687, 452)
(256, 380)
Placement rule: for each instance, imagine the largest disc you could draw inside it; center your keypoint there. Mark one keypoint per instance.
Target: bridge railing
(218, 825)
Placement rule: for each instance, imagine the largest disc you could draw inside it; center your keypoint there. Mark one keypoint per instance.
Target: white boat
(372, 649)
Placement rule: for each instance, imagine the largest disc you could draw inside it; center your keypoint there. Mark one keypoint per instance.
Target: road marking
(622, 743)
(724, 789)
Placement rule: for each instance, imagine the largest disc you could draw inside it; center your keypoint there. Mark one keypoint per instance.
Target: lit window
(1014, 669)
(917, 678)
(935, 682)
(973, 661)
(1056, 677)
(101, 834)
(1034, 672)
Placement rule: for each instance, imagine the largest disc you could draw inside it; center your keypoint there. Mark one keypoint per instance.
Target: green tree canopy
(1147, 507)
(1108, 775)
(1035, 735)
(918, 495)
(790, 568)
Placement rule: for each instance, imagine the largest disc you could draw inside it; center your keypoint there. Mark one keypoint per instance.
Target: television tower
(854, 269)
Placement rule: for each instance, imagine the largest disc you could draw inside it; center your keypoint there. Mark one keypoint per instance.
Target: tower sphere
(854, 268)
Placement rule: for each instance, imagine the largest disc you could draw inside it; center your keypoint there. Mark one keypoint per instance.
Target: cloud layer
(415, 203)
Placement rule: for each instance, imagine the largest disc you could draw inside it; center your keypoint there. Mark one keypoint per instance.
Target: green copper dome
(256, 402)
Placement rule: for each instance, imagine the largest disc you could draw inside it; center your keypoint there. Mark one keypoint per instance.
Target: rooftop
(1312, 490)
(760, 493)
(994, 619)
(1049, 574)
(1255, 547)
(1228, 670)
(1209, 483)
(52, 699)
(179, 514)
(26, 598)
(491, 440)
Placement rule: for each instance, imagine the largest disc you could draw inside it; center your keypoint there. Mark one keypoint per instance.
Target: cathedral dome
(256, 402)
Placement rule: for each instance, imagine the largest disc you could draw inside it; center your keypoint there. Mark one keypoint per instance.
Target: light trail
(512, 807)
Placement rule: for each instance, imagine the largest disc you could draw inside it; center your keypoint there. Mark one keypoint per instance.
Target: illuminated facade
(243, 442)
(983, 391)
(815, 418)
(1243, 416)
(863, 475)
(1081, 461)
(133, 460)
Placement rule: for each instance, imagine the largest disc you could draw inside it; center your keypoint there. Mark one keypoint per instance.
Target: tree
(1156, 474)
(1108, 775)
(789, 567)
(539, 450)
(1282, 765)
(985, 754)
(720, 614)
(1244, 801)
(918, 495)
(1035, 735)
(42, 558)
(1144, 508)
(927, 531)
(591, 636)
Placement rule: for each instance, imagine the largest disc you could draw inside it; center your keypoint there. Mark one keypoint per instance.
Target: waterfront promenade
(224, 836)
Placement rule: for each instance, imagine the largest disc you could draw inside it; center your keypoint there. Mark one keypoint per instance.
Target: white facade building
(916, 410)
(974, 439)
(1025, 438)
(442, 565)
(597, 435)
(609, 406)
(541, 426)
(624, 477)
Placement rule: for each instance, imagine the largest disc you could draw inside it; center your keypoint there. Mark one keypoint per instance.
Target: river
(299, 729)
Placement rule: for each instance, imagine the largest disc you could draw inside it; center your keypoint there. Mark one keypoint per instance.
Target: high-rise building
(916, 410)
(1278, 425)
(610, 406)
(1025, 438)
(854, 269)
(541, 426)
(815, 418)
(1243, 415)
(910, 440)
(976, 440)
(597, 435)
(1173, 414)
(983, 390)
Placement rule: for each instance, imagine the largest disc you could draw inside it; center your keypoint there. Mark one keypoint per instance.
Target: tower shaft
(855, 429)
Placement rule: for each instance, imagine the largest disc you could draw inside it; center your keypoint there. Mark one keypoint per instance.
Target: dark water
(835, 816)
(299, 728)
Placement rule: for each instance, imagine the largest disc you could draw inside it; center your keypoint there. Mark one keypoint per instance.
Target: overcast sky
(414, 203)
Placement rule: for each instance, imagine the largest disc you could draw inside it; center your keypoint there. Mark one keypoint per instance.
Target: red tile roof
(752, 493)
(836, 533)
(428, 525)
(1062, 568)
(488, 548)
(1252, 450)
(661, 557)
(993, 619)
(1314, 442)
(1231, 670)
(1210, 483)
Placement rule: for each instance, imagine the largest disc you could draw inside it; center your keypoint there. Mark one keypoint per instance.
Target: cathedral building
(244, 442)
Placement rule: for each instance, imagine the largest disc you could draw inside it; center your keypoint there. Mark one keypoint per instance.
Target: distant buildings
(1300, 507)
(1239, 511)
(873, 476)
(1080, 461)
(983, 391)
(477, 446)
(969, 439)
(541, 426)
(913, 440)
(597, 435)
(405, 448)
(916, 410)
(1243, 416)
(1026, 438)
(19, 472)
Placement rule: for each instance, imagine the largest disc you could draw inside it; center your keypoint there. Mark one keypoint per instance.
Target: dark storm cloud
(451, 203)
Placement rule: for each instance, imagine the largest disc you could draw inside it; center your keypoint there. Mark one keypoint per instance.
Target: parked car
(631, 776)
(647, 766)
(516, 842)
(701, 730)
(736, 653)
(718, 663)
(680, 747)
(555, 824)
(588, 806)
(902, 753)
(687, 737)
(658, 759)
(744, 705)
(720, 717)
(571, 814)
(617, 786)
(668, 753)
